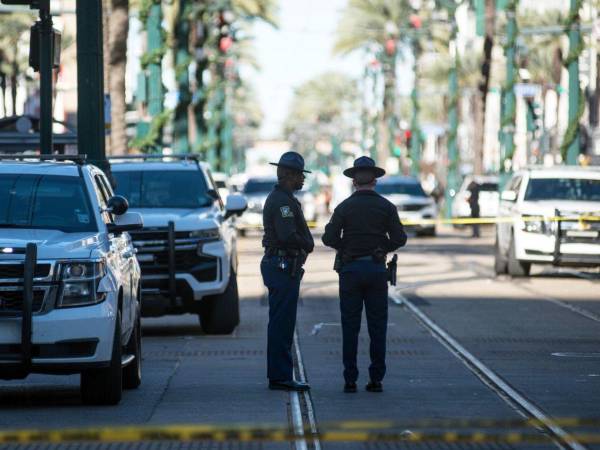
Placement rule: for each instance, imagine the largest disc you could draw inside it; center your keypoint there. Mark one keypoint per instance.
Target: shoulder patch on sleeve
(286, 212)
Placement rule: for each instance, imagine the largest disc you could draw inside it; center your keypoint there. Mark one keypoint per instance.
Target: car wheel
(105, 386)
(220, 314)
(515, 267)
(429, 232)
(500, 260)
(132, 373)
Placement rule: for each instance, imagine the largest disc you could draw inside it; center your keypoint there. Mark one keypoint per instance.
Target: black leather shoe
(374, 386)
(350, 388)
(291, 385)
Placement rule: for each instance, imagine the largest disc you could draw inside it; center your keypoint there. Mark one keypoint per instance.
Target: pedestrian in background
(364, 228)
(474, 189)
(287, 242)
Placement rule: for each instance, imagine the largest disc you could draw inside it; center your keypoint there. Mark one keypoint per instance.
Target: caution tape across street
(452, 431)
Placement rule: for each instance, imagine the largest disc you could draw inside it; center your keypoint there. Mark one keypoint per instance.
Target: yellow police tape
(479, 221)
(503, 431)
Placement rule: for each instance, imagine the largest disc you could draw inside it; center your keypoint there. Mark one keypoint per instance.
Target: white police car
(549, 216)
(69, 280)
(188, 248)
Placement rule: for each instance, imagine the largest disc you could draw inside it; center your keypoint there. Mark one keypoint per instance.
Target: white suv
(188, 248)
(69, 280)
(543, 220)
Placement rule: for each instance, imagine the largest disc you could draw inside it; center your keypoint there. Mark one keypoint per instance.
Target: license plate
(582, 234)
(145, 257)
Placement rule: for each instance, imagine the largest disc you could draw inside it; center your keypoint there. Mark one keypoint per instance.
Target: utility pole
(90, 84)
(452, 181)
(570, 145)
(509, 104)
(181, 143)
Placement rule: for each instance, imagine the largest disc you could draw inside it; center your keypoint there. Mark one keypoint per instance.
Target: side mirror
(118, 205)
(213, 194)
(235, 205)
(126, 222)
(509, 196)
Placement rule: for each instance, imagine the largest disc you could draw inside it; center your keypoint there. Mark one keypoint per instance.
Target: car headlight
(205, 235)
(536, 224)
(79, 284)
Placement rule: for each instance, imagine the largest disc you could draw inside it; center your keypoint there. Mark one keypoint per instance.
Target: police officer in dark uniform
(364, 228)
(287, 242)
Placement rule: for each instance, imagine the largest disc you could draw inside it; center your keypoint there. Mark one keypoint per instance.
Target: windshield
(166, 189)
(406, 188)
(579, 189)
(259, 186)
(488, 187)
(45, 202)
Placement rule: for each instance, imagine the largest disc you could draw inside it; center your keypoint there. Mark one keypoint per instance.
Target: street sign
(527, 89)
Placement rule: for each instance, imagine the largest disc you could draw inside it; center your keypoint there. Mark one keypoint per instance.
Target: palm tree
(118, 31)
(369, 24)
(13, 64)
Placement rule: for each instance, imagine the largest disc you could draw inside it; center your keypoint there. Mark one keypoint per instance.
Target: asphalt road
(540, 336)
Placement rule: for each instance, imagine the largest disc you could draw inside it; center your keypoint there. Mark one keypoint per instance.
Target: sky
(300, 49)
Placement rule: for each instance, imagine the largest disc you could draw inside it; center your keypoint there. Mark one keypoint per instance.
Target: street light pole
(181, 143)
(452, 182)
(509, 105)
(46, 37)
(90, 84)
(570, 146)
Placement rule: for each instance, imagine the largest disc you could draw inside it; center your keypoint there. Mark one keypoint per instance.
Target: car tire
(132, 374)
(105, 386)
(500, 260)
(515, 267)
(220, 314)
(429, 232)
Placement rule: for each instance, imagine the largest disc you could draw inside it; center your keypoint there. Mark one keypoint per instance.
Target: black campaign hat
(364, 163)
(291, 160)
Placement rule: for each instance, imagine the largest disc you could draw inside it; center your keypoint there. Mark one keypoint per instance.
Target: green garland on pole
(575, 50)
(507, 123)
(148, 142)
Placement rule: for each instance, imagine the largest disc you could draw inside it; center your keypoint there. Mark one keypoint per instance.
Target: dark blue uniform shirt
(284, 223)
(362, 223)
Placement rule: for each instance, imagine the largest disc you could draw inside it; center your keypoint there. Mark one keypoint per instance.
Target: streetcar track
(490, 378)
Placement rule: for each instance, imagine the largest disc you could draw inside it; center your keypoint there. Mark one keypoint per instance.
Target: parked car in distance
(69, 276)
(256, 190)
(222, 184)
(188, 247)
(489, 197)
(548, 208)
(413, 204)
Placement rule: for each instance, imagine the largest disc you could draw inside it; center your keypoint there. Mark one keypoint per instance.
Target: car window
(259, 186)
(163, 189)
(103, 197)
(488, 187)
(574, 189)
(406, 188)
(45, 202)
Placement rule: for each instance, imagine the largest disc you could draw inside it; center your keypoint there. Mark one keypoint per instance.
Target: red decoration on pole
(390, 47)
(225, 44)
(415, 21)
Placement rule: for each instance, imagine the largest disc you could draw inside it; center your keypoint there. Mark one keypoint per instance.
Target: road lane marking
(487, 375)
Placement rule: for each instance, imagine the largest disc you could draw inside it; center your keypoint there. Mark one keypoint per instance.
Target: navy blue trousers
(370, 289)
(283, 304)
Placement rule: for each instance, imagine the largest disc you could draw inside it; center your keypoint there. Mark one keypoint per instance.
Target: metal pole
(90, 84)
(510, 105)
(46, 67)
(181, 143)
(571, 140)
(453, 154)
(415, 141)
(155, 86)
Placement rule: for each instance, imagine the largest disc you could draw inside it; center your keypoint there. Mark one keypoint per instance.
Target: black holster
(392, 270)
